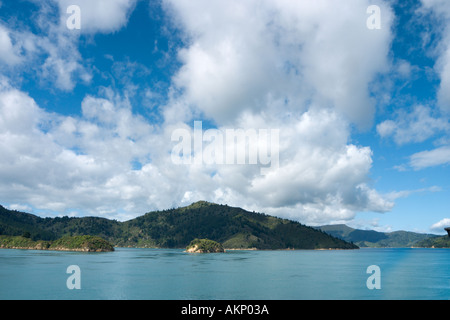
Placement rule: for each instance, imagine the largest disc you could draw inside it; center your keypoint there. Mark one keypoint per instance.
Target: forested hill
(16, 223)
(176, 228)
(371, 238)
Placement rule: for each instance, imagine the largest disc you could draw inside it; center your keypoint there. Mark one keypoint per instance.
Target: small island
(204, 246)
(67, 243)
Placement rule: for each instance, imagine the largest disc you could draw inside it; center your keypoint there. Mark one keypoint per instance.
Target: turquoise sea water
(160, 274)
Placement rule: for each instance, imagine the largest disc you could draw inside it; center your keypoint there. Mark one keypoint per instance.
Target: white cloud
(19, 207)
(52, 56)
(53, 52)
(64, 65)
(320, 178)
(8, 53)
(428, 122)
(440, 225)
(404, 69)
(240, 59)
(99, 16)
(443, 93)
(416, 126)
(301, 67)
(62, 163)
(430, 158)
(406, 193)
(441, 10)
(420, 125)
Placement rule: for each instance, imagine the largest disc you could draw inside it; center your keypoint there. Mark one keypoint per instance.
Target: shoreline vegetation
(438, 243)
(67, 243)
(97, 244)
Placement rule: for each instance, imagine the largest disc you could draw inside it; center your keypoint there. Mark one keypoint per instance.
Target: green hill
(15, 223)
(176, 228)
(371, 238)
(435, 242)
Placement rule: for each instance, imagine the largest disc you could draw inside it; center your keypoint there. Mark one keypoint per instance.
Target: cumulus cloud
(54, 162)
(296, 66)
(440, 225)
(59, 163)
(320, 177)
(319, 172)
(240, 59)
(303, 68)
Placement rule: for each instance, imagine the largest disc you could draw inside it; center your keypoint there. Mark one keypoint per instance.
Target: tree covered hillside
(176, 228)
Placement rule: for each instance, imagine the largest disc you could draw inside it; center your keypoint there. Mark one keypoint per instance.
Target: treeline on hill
(176, 228)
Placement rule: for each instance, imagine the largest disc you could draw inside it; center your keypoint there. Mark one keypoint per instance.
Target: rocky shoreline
(204, 246)
(40, 248)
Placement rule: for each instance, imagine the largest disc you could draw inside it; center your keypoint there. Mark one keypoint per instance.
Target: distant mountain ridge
(371, 238)
(175, 228)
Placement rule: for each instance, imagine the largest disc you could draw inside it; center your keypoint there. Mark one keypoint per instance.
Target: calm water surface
(236, 275)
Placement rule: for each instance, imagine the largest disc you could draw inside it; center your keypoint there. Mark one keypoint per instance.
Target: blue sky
(88, 115)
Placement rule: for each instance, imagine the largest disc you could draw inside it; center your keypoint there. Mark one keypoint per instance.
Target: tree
(26, 234)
